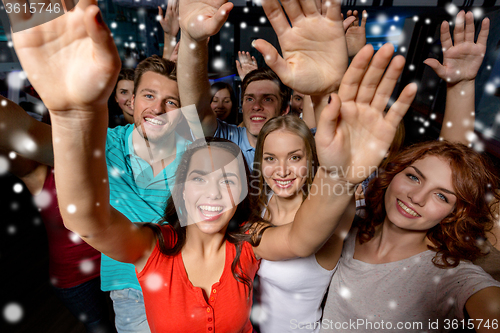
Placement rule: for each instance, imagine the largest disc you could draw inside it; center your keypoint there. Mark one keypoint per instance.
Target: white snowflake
(13, 313)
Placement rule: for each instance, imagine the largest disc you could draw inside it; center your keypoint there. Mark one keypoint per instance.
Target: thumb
(328, 119)
(436, 66)
(216, 22)
(104, 48)
(347, 22)
(271, 57)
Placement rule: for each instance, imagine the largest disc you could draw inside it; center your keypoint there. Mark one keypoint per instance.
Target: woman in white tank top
(291, 291)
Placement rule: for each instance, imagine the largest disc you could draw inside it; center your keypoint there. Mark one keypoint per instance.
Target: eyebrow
(423, 177)
(204, 173)
(290, 153)
(264, 95)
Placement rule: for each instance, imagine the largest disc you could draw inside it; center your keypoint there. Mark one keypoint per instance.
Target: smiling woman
(427, 216)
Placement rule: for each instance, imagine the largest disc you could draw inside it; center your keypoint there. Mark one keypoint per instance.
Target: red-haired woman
(407, 264)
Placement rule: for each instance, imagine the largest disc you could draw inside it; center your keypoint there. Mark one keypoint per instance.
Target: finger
(254, 61)
(469, 27)
(389, 81)
(349, 13)
(318, 5)
(276, 16)
(446, 41)
(402, 104)
(293, 10)
(373, 76)
(160, 12)
(363, 19)
(103, 47)
(482, 38)
(436, 67)
(348, 22)
(271, 57)
(308, 7)
(356, 21)
(238, 66)
(214, 24)
(333, 10)
(352, 78)
(458, 33)
(328, 120)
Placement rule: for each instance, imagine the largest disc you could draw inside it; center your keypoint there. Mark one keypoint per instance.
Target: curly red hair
(456, 237)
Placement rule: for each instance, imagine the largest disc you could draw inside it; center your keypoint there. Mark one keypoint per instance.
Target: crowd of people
(311, 193)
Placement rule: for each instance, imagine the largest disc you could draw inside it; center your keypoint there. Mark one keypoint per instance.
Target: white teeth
(211, 208)
(258, 118)
(281, 182)
(154, 121)
(407, 209)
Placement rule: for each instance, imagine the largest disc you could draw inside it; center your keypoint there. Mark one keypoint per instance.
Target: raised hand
(356, 34)
(72, 60)
(170, 22)
(200, 19)
(246, 64)
(461, 57)
(353, 133)
(314, 48)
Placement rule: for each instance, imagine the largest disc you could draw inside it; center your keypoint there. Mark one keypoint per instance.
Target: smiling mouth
(210, 212)
(153, 121)
(257, 118)
(407, 209)
(284, 183)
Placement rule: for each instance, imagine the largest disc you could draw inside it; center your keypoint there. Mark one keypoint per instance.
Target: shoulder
(228, 131)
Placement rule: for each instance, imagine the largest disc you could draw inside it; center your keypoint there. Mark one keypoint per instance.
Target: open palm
(200, 19)
(461, 58)
(73, 55)
(314, 48)
(353, 133)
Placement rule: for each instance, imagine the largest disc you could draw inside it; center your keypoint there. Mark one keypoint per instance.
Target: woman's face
(212, 189)
(422, 195)
(221, 104)
(284, 163)
(123, 96)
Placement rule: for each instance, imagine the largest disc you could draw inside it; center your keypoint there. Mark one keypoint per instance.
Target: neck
(251, 139)
(390, 240)
(201, 243)
(283, 207)
(157, 154)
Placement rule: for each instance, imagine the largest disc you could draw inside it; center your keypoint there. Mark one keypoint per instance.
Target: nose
(418, 197)
(158, 107)
(283, 171)
(213, 190)
(257, 106)
(218, 104)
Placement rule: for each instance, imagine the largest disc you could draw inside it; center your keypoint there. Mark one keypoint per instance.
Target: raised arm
(461, 62)
(355, 35)
(352, 138)
(23, 134)
(73, 64)
(170, 25)
(199, 19)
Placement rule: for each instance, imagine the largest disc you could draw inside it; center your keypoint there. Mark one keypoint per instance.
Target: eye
(442, 197)
(149, 96)
(269, 159)
(124, 92)
(412, 177)
(249, 99)
(228, 182)
(172, 103)
(197, 179)
(295, 158)
(268, 99)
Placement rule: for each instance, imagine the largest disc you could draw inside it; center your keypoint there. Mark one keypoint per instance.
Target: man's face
(297, 103)
(261, 102)
(156, 107)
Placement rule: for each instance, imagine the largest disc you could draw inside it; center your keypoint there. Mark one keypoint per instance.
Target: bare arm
(200, 19)
(352, 135)
(52, 55)
(484, 308)
(170, 26)
(461, 62)
(24, 135)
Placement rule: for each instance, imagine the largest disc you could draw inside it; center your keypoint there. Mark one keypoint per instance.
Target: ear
(116, 98)
(284, 113)
(132, 100)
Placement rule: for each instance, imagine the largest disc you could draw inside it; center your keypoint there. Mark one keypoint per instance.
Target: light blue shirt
(136, 193)
(239, 136)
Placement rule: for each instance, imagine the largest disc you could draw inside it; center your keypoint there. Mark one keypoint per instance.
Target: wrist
(462, 84)
(189, 40)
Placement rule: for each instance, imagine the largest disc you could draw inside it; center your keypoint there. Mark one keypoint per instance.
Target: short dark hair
(261, 74)
(157, 65)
